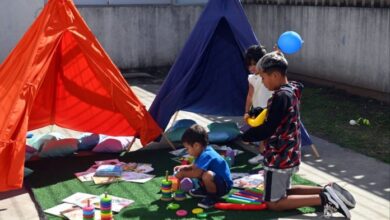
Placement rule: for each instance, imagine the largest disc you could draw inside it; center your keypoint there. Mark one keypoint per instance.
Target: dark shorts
(221, 185)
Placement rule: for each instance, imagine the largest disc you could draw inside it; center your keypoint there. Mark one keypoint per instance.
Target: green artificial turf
(53, 180)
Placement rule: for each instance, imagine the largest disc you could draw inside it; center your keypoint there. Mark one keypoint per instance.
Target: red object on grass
(232, 206)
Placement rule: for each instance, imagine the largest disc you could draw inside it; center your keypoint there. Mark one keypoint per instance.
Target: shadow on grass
(53, 180)
(157, 210)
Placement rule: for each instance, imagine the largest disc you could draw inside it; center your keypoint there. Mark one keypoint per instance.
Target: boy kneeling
(282, 139)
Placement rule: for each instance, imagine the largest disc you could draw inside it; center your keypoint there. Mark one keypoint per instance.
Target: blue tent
(209, 76)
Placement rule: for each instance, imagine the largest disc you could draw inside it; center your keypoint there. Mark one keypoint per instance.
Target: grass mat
(326, 113)
(53, 180)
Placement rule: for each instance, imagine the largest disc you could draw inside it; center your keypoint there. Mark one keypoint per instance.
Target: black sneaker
(207, 202)
(344, 195)
(332, 203)
(198, 193)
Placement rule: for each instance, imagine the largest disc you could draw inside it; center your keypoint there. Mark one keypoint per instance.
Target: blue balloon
(290, 42)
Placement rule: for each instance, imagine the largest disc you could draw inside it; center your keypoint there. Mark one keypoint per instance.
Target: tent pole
(315, 151)
(175, 117)
(169, 142)
(130, 145)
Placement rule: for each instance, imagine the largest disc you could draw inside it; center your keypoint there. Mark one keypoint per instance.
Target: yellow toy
(259, 120)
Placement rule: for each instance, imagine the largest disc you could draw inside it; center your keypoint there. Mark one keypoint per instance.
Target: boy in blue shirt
(209, 167)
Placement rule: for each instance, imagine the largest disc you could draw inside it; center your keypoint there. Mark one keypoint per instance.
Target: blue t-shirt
(209, 159)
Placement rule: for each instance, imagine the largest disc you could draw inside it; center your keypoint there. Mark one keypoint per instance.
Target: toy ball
(352, 122)
(290, 42)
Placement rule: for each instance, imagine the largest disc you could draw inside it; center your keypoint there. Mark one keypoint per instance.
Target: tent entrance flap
(59, 74)
(216, 86)
(209, 76)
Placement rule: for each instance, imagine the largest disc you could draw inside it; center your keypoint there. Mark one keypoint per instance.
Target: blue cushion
(178, 128)
(218, 137)
(88, 141)
(175, 135)
(223, 132)
(217, 126)
(183, 123)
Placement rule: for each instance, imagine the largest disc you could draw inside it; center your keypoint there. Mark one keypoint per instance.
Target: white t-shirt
(260, 93)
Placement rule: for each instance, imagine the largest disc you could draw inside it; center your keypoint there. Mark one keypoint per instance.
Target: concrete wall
(342, 44)
(15, 17)
(142, 36)
(349, 45)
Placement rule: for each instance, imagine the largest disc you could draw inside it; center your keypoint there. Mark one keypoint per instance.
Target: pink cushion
(113, 144)
(30, 149)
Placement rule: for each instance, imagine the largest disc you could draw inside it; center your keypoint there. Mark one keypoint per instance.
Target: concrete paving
(366, 178)
(17, 204)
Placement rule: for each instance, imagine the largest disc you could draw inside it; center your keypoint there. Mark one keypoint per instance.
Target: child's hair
(273, 61)
(254, 53)
(195, 133)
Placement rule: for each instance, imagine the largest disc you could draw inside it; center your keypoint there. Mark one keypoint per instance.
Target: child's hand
(261, 147)
(181, 167)
(276, 48)
(177, 168)
(246, 116)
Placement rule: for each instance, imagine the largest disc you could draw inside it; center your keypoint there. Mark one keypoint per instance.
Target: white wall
(15, 18)
(142, 36)
(348, 45)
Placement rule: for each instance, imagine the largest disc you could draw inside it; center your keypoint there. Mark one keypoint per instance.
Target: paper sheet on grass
(138, 167)
(235, 175)
(100, 180)
(86, 175)
(135, 177)
(251, 181)
(81, 199)
(69, 211)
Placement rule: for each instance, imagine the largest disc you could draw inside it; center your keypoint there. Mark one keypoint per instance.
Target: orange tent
(59, 74)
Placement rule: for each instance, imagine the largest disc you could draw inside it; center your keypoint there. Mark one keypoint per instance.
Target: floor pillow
(59, 148)
(39, 141)
(88, 141)
(183, 123)
(217, 137)
(30, 149)
(113, 144)
(178, 128)
(223, 132)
